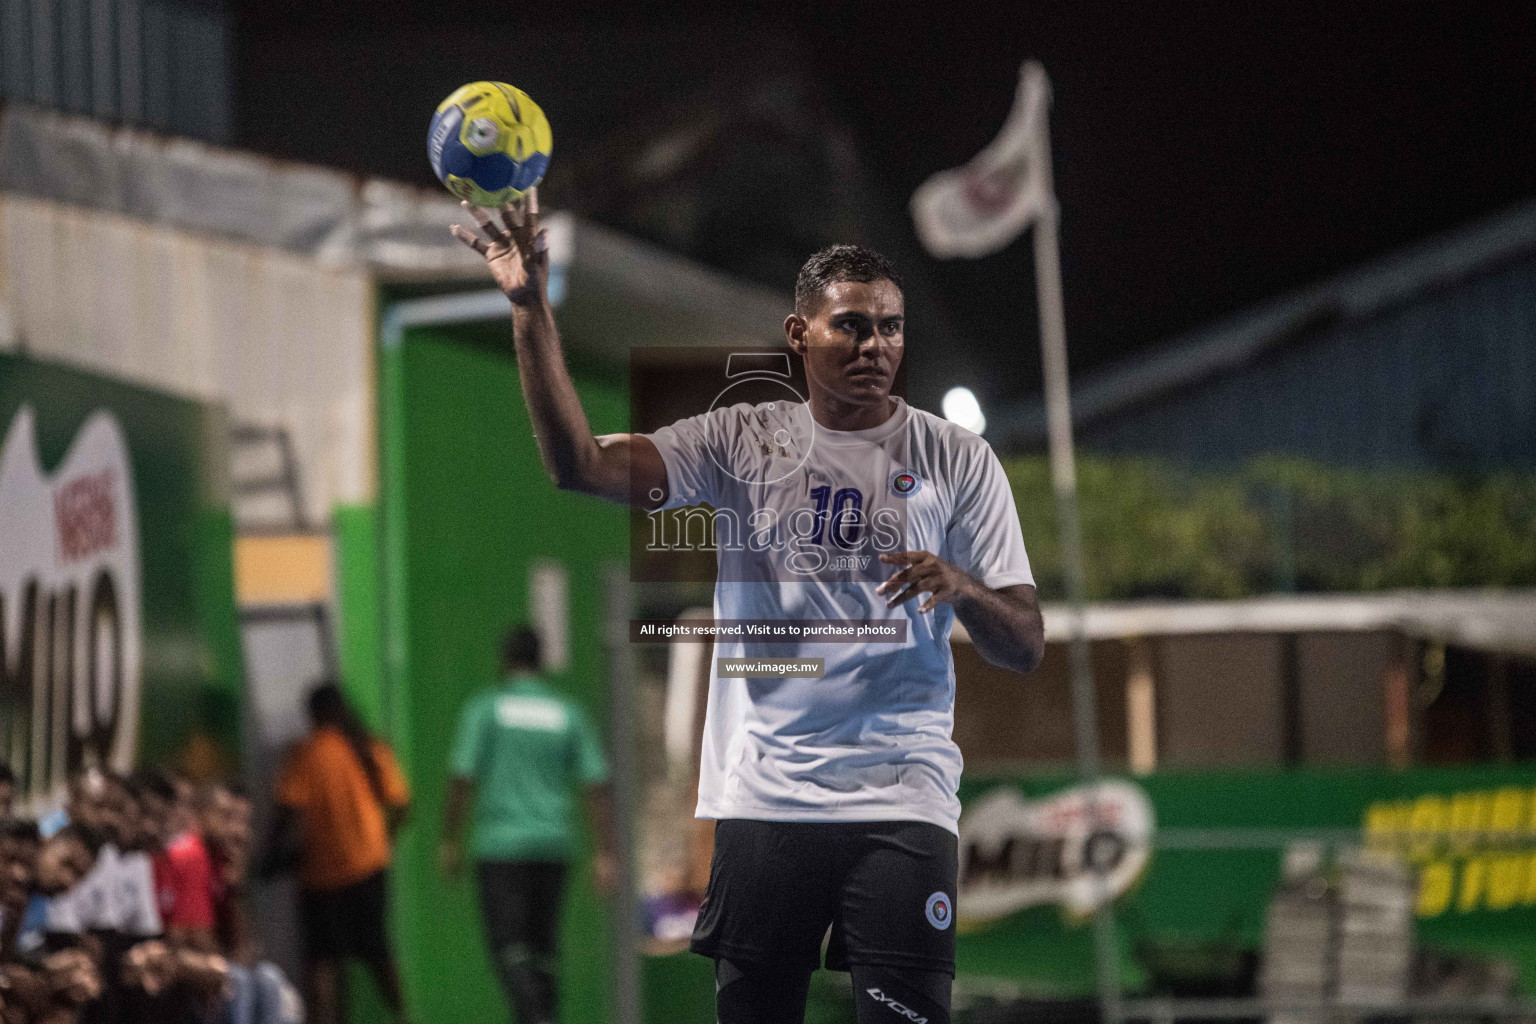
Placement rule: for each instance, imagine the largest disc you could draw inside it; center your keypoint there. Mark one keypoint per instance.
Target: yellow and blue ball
(489, 143)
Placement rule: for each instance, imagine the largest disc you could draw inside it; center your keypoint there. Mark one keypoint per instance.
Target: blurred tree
(1154, 530)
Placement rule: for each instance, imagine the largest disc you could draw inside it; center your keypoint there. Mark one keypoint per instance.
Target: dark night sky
(1208, 155)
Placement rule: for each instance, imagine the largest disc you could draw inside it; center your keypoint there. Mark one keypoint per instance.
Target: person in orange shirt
(343, 796)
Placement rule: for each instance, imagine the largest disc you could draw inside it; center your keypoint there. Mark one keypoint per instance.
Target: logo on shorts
(939, 911)
(905, 484)
(891, 1004)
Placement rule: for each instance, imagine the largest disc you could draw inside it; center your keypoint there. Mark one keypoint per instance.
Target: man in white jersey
(835, 796)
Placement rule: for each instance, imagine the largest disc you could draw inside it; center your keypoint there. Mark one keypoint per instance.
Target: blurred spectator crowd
(129, 904)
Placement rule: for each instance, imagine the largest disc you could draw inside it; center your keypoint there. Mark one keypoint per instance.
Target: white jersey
(118, 893)
(801, 514)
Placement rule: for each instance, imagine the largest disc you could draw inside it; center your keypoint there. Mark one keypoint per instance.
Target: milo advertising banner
(1183, 868)
(117, 622)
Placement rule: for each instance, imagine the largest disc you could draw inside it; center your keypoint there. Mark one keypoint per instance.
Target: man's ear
(794, 332)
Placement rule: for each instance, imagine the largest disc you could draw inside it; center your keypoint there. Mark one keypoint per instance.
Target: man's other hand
(925, 573)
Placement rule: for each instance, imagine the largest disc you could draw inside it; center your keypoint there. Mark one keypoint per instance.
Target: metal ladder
(268, 501)
(282, 482)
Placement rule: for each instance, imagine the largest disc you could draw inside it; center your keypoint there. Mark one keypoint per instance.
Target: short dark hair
(153, 782)
(88, 837)
(840, 263)
(326, 702)
(21, 830)
(7, 777)
(520, 648)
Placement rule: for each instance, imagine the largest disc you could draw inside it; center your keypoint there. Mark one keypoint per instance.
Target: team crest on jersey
(939, 911)
(905, 483)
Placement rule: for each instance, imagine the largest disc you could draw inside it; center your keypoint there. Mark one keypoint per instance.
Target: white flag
(977, 209)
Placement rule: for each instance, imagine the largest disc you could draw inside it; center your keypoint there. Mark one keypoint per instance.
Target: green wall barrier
(359, 641)
(468, 509)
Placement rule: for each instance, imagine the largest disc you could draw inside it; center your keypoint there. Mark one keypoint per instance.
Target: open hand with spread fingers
(925, 573)
(516, 248)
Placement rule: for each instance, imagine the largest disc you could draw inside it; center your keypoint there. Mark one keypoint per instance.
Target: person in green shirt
(521, 752)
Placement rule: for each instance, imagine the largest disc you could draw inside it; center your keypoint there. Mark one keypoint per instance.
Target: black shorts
(520, 903)
(886, 888)
(346, 922)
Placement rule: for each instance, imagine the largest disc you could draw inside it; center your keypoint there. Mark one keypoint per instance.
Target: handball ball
(489, 143)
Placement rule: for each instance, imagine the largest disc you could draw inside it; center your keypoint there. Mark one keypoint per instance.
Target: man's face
(61, 863)
(154, 817)
(24, 994)
(90, 800)
(17, 860)
(853, 341)
(7, 799)
(227, 823)
(240, 822)
(124, 829)
(120, 815)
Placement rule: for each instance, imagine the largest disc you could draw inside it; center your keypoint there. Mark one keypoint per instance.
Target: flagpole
(975, 211)
(1058, 414)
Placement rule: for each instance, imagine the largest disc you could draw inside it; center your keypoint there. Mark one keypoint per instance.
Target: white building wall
(281, 339)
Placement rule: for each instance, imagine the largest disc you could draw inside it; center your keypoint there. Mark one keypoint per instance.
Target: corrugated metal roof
(396, 232)
(1209, 351)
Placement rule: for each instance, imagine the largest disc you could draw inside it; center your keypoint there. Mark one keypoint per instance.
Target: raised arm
(624, 468)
